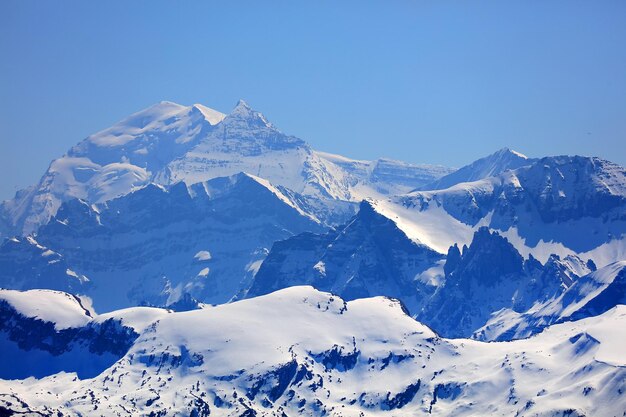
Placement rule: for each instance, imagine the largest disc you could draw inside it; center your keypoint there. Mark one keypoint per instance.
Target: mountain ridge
(200, 363)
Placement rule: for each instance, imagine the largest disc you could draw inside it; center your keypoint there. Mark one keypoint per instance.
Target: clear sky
(438, 82)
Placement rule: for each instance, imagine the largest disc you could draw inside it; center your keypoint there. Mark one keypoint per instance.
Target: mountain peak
(491, 165)
(243, 104)
(243, 112)
(157, 111)
(508, 151)
(242, 108)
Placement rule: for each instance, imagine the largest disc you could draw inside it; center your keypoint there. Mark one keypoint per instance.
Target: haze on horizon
(440, 83)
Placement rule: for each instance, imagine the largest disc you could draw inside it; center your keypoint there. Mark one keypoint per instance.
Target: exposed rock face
(369, 256)
(26, 264)
(155, 245)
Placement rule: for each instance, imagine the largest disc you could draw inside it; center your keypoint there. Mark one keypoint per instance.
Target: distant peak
(157, 109)
(242, 108)
(243, 111)
(242, 104)
(167, 103)
(509, 151)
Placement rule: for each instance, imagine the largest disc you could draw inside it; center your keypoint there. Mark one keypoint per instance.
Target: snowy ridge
(46, 332)
(541, 208)
(384, 176)
(62, 309)
(282, 197)
(317, 354)
(489, 166)
(68, 311)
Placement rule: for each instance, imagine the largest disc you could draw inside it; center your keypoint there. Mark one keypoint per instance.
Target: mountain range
(226, 268)
(169, 143)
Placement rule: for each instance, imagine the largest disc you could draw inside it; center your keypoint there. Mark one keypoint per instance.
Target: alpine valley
(187, 262)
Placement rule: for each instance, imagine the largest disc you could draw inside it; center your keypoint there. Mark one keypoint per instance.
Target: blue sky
(439, 82)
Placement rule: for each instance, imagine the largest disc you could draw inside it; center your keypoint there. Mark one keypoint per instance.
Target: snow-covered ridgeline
(315, 354)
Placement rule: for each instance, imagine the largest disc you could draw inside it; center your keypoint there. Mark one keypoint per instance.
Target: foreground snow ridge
(299, 351)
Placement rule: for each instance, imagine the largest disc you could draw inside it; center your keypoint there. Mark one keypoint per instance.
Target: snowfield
(303, 352)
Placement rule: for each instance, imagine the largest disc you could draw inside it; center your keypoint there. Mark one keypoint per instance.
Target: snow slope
(315, 354)
(45, 332)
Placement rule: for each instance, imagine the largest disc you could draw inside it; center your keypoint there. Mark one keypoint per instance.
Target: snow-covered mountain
(183, 207)
(303, 352)
(565, 205)
(168, 143)
(155, 245)
(384, 176)
(490, 166)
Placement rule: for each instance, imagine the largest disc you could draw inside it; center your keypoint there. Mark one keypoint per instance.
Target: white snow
(433, 227)
(63, 309)
(67, 311)
(138, 318)
(320, 267)
(434, 275)
(203, 255)
(253, 267)
(521, 155)
(213, 116)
